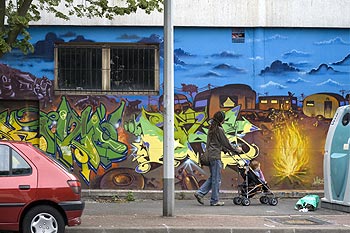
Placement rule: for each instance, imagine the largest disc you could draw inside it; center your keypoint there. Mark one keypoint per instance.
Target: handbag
(204, 159)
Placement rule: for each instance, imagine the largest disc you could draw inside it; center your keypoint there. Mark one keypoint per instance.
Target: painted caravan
(224, 98)
(282, 102)
(322, 105)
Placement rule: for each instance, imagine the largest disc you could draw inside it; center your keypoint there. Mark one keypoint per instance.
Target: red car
(37, 194)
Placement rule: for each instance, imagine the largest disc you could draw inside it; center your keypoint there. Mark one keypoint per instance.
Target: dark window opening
(132, 69)
(98, 68)
(80, 68)
(238, 35)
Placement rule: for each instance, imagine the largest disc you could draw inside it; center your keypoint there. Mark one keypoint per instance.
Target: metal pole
(168, 138)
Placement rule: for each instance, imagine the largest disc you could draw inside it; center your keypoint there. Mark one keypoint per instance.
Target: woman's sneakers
(219, 203)
(199, 198)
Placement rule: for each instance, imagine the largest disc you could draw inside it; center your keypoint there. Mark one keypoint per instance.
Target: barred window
(110, 68)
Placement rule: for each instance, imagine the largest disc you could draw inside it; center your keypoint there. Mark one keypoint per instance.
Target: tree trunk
(12, 35)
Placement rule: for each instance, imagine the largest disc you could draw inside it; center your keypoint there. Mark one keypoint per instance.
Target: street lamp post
(168, 123)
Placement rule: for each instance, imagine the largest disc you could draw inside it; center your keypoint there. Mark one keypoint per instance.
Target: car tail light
(75, 186)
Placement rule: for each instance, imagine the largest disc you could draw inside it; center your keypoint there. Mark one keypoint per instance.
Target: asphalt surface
(146, 216)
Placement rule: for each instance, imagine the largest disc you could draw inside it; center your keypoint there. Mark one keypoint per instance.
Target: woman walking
(216, 142)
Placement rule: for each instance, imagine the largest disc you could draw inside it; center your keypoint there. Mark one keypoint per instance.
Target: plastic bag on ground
(309, 202)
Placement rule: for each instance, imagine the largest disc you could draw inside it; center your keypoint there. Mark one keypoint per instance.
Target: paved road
(146, 216)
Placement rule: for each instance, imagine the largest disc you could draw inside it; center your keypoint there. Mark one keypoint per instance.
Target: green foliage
(130, 196)
(15, 16)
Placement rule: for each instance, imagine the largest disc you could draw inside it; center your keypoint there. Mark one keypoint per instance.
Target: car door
(18, 183)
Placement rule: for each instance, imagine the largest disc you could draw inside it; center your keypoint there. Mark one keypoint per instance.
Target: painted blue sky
(272, 61)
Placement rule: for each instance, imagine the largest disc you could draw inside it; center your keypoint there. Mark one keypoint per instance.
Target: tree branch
(22, 11)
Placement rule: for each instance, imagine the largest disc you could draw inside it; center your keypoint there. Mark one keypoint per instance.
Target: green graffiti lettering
(91, 139)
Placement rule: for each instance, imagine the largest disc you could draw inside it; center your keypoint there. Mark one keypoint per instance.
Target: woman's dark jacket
(217, 143)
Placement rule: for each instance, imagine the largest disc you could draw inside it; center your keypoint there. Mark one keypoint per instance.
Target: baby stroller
(251, 186)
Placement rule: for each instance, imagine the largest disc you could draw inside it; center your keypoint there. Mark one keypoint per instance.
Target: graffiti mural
(94, 139)
(20, 124)
(279, 89)
(90, 139)
(148, 127)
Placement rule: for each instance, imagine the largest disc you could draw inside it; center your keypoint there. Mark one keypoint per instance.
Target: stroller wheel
(245, 201)
(237, 200)
(273, 201)
(264, 200)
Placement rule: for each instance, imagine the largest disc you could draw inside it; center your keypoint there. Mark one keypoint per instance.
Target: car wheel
(43, 219)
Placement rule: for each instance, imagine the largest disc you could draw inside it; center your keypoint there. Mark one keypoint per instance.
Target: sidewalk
(184, 195)
(145, 215)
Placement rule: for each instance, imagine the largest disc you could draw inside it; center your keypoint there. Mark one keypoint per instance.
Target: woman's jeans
(213, 182)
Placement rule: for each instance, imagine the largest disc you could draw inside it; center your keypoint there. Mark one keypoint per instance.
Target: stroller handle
(237, 160)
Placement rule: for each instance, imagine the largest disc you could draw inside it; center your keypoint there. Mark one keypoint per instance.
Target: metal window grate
(132, 68)
(80, 68)
(98, 68)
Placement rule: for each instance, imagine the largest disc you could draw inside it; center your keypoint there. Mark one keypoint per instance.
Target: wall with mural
(279, 88)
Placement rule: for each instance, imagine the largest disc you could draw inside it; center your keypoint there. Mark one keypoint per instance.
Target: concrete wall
(237, 13)
(116, 141)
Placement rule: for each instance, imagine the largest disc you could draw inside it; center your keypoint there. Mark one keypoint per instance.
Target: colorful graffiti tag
(92, 138)
(147, 126)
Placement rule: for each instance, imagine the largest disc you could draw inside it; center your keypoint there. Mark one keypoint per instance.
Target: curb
(181, 194)
(204, 230)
